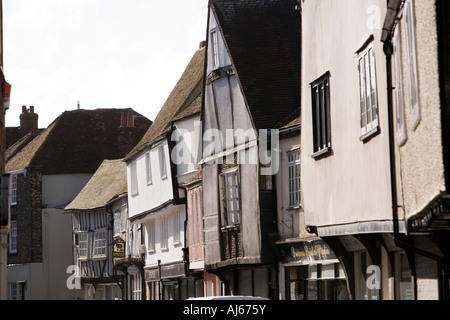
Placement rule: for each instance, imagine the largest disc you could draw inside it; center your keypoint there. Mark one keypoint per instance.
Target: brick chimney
(127, 133)
(28, 121)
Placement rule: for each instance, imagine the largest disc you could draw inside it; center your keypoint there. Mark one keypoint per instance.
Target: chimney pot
(24, 109)
(31, 109)
(130, 120)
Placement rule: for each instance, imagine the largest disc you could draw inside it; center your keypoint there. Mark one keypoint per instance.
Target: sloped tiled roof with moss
(185, 97)
(263, 39)
(78, 141)
(108, 182)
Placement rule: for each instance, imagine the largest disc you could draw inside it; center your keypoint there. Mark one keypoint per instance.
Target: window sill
(99, 258)
(298, 206)
(322, 153)
(234, 226)
(370, 134)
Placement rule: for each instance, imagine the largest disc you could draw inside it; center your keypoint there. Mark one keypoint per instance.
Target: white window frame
(294, 190)
(411, 58)
(162, 162)
(176, 228)
(14, 179)
(13, 236)
(148, 168)
(134, 179)
(100, 244)
(368, 91)
(13, 290)
(117, 222)
(214, 48)
(123, 217)
(164, 234)
(151, 236)
(230, 200)
(81, 248)
(401, 133)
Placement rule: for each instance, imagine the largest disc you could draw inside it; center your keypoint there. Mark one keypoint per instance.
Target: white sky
(103, 53)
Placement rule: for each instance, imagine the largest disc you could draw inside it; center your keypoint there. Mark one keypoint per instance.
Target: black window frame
(321, 120)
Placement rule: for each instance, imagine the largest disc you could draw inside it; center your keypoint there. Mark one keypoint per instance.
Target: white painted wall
(174, 252)
(152, 195)
(287, 217)
(352, 185)
(186, 153)
(61, 189)
(48, 280)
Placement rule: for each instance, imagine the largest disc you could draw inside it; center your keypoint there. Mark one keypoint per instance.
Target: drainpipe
(399, 239)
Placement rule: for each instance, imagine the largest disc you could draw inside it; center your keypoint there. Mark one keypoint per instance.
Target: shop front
(169, 282)
(311, 271)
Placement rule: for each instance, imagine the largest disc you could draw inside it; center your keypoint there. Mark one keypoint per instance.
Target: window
(294, 178)
(83, 245)
(14, 190)
(117, 222)
(164, 234)
(13, 291)
(162, 162)
(214, 48)
(368, 92)
(124, 216)
(230, 198)
(400, 113)
(13, 237)
(176, 228)
(403, 276)
(196, 215)
(151, 236)
(316, 282)
(363, 291)
(412, 62)
(134, 178)
(100, 243)
(148, 167)
(320, 90)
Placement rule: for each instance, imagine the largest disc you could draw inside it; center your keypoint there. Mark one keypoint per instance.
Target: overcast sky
(103, 53)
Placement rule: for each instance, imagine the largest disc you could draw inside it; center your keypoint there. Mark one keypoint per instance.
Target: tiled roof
(263, 38)
(78, 141)
(184, 96)
(292, 120)
(109, 181)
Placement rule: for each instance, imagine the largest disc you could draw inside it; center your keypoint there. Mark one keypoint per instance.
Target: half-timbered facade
(252, 79)
(93, 231)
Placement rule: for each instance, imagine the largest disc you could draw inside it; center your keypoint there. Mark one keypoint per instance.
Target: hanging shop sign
(152, 274)
(118, 247)
(305, 251)
(132, 270)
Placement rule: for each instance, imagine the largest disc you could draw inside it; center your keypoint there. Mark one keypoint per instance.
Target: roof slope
(184, 96)
(109, 181)
(263, 38)
(79, 140)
